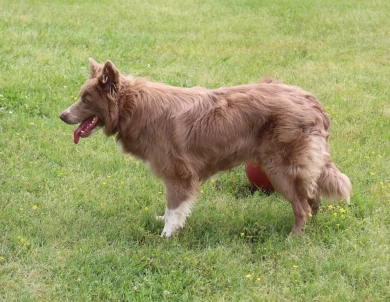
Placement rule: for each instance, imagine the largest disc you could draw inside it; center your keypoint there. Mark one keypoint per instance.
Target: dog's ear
(95, 68)
(109, 80)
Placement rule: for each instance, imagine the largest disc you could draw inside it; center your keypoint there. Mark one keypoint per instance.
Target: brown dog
(186, 135)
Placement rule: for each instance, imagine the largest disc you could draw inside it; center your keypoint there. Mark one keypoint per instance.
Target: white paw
(175, 218)
(169, 229)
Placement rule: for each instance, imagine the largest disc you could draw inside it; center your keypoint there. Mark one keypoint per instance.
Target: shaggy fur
(188, 134)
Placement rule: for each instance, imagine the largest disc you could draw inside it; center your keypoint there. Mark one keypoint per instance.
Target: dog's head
(97, 105)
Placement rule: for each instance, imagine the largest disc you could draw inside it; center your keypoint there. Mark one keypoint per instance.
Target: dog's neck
(125, 100)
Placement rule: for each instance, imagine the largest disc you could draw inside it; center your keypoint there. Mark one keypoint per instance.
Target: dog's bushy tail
(333, 184)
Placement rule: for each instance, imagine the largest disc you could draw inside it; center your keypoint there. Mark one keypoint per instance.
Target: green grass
(77, 222)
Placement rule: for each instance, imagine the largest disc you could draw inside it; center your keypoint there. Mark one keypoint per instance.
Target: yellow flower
(310, 214)
(338, 225)
(330, 207)
(295, 266)
(34, 207)
(242, 234)
(137, 163)
(249, 276)
(1, 259)
(335, 214)
(201, 192)
(108, 176)
(258, 279)
(104, 183)
(372, 173)
(343, 211)
(349, 150)
(21, 209)
(146, 209)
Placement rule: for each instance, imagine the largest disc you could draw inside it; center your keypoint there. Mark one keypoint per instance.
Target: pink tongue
(85, 127)
(76, 135)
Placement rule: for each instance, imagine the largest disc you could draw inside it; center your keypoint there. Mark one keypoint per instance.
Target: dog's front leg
(181, 195)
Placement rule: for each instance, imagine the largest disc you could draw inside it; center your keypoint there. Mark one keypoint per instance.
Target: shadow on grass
(251, 216)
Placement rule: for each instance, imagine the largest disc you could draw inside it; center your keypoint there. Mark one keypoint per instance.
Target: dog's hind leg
(301, 210)
(289, 188)
(314, 204)
(300, 207)
(181, 195)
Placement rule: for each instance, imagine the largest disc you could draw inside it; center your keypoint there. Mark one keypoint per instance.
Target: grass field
(77, 222)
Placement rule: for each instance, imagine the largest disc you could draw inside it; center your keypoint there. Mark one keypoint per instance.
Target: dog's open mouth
(86, 128)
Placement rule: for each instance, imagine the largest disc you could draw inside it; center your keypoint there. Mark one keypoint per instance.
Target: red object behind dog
(257, 177)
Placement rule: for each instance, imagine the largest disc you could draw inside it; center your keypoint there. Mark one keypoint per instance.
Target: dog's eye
(84, 100)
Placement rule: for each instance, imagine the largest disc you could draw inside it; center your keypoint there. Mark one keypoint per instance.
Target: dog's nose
(63, 116)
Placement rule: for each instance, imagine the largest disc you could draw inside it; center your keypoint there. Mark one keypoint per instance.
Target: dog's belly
(215, 165)
(205, 174)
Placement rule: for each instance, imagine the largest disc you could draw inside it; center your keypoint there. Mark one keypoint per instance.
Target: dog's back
(247, 122)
